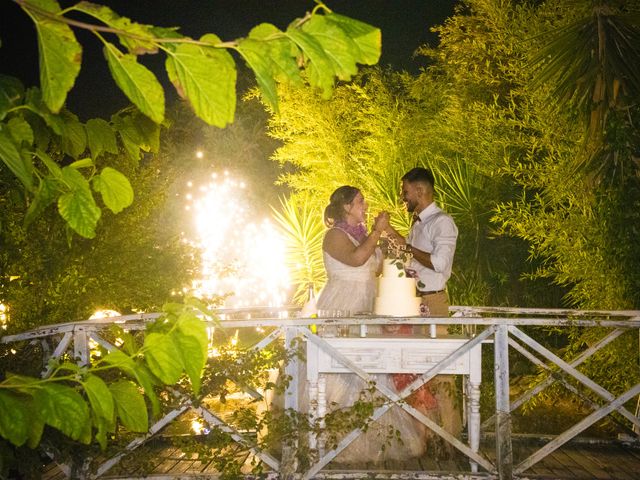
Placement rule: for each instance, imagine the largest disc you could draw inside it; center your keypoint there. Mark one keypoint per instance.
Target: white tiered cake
(396, 292)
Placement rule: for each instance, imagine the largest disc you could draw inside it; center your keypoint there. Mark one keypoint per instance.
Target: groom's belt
(431, 292)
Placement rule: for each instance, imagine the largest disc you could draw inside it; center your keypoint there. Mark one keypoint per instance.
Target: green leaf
(51, 165)
(367, 37)
(115, 188)
(60, 55)
(73, 138)
(11, 94)
(137, 133)
(103, 407)
(63, 408)
(163, 357)
(192, 340)
(45, 195)
(134, 370)
(129, 345)
(101, 137)
(21, 383)
(257, 55)
(206, 77)
(36, 426)
(33, 100)
(122, 361)
(318, 65)
(282, 53)
(100, 399)
(338, 47)
(146, 380)
(78, 206)
(14, 417)
(137, 82)
(10, 155)
(140, 39)
(20, 130)
(82, 163)
(130, 406)
(101, 432)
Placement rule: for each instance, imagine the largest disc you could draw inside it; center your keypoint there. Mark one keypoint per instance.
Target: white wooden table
(384, 355)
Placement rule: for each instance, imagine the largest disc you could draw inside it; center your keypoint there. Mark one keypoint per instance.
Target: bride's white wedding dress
(354, 289)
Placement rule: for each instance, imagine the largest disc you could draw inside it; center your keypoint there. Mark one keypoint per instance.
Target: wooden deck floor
(575, 461)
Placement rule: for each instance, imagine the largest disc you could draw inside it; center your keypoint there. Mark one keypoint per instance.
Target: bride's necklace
(359, 231)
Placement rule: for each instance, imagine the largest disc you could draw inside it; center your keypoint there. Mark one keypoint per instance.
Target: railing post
(504, 452)
(81, 345)
(288, 464)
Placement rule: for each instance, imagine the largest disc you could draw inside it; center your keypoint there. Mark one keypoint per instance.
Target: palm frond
(593, 61)
(385, 195)
(303, 229)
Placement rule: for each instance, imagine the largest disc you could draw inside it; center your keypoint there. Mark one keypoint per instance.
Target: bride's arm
(337, 244)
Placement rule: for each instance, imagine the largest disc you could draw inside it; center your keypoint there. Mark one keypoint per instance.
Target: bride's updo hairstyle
(334, 212)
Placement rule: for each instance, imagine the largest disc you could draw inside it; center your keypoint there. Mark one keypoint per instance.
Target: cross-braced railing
(480, 331)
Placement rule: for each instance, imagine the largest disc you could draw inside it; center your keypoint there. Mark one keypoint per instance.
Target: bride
(352, 261)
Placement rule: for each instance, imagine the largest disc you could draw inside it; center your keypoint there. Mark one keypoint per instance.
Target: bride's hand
(381, 223)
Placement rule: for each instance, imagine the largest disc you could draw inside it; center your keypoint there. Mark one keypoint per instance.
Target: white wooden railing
(488, 329)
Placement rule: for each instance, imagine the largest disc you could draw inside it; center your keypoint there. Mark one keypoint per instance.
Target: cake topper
(399, 255)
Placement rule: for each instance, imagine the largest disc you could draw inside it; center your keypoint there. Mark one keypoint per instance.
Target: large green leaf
(103, 407)
(367, 37)
(63, 408)
(130, 406)
(282, 53)
(101, 137)
(338, 47)
(318, 65)
(163, 357)
(115, 188)
(257, 54)
(135, 370)
(192, 340)
(36, 426)
(60, 55)
(100, 399)
(11, 157)
(78, 207)
(137, 82)
(206, 77)
(14, 418)
(146, 380)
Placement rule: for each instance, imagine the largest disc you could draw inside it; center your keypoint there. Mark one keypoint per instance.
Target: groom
(432, 244)
(431, 241)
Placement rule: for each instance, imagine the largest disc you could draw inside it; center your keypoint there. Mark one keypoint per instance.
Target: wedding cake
(396, 292)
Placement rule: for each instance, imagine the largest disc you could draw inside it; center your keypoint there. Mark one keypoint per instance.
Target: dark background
(405, 25)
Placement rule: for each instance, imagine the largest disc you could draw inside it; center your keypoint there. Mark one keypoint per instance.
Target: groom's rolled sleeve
(444, 240)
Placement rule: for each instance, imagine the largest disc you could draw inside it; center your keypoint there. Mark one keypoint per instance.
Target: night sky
(405, 25)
